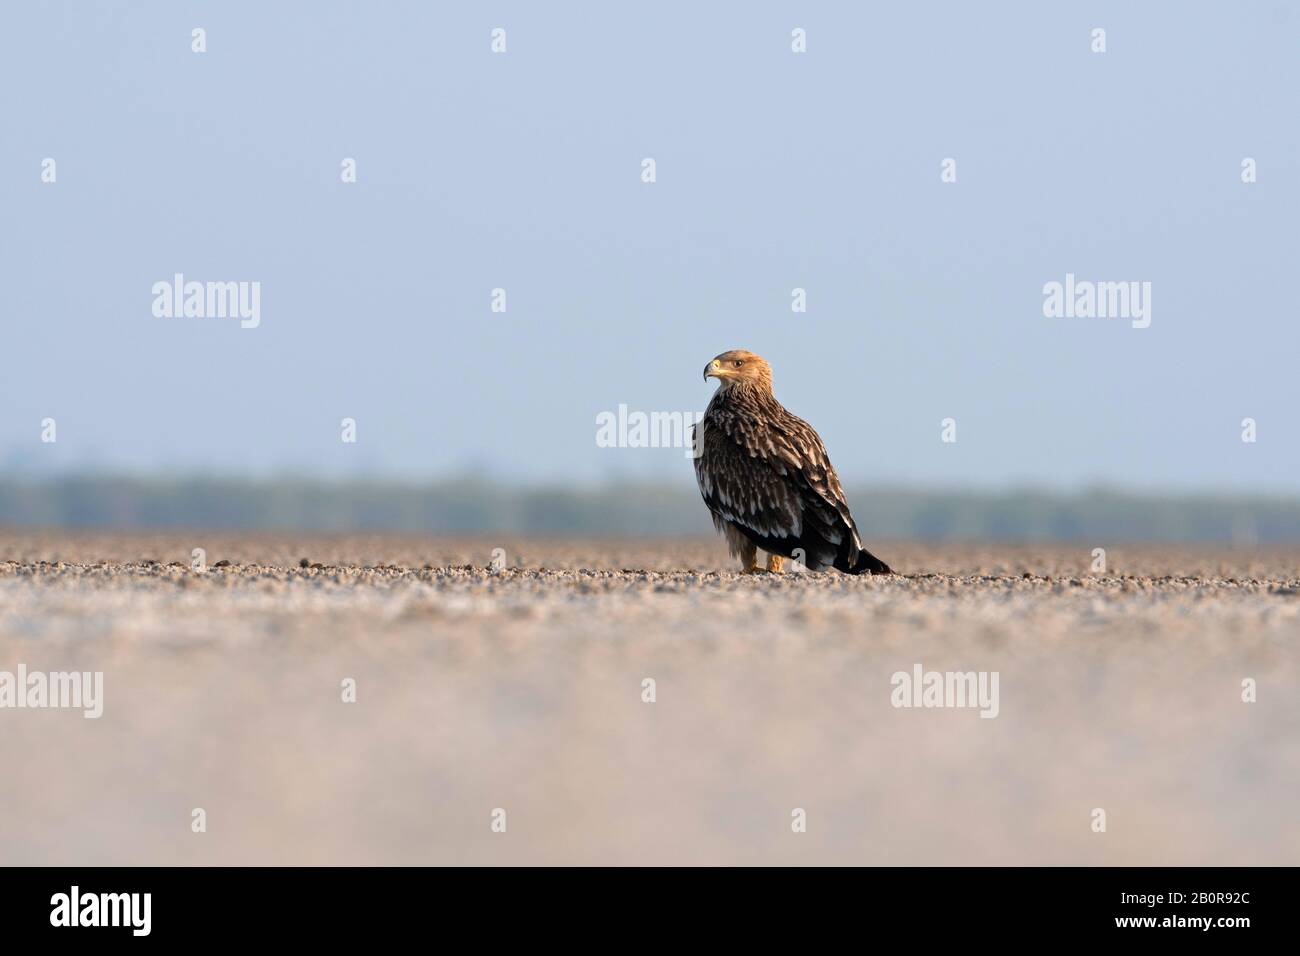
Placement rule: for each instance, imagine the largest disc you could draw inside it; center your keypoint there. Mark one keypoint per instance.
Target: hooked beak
(711, 370)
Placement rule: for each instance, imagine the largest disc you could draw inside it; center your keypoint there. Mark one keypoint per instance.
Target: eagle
(766, 479)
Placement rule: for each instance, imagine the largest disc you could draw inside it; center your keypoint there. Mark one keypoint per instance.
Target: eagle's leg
(776, 563)
(749, 558)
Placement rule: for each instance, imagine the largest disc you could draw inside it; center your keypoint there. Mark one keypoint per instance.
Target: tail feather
(864, 563)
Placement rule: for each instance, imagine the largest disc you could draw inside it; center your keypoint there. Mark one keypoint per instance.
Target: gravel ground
(522, 689)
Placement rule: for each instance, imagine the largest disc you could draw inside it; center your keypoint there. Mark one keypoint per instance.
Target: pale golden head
(739, 367)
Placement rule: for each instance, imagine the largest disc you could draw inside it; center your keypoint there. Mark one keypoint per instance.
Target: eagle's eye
(739, 363)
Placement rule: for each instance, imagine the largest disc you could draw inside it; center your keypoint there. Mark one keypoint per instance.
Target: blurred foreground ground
(523, 690)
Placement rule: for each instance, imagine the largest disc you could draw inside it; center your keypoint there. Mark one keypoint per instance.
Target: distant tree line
(472, 505)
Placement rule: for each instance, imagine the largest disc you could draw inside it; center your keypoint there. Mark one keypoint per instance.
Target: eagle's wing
(773, 481)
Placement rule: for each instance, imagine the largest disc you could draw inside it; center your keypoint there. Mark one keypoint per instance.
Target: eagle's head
(739, 367)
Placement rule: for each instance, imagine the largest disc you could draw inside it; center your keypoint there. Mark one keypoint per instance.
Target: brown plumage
(766, 479)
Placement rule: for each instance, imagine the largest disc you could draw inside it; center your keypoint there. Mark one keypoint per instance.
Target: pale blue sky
(775, 170)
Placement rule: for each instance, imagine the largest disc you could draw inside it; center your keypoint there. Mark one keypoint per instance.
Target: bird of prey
(766, 479)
